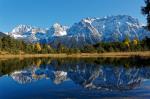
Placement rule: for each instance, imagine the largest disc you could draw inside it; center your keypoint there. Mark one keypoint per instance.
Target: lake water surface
(70, 78)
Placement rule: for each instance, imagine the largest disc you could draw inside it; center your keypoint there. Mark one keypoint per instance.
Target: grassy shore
(81, 55)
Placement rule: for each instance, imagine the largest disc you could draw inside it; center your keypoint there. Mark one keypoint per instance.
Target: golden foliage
(135, 41)
(127, 43)
(38, 47)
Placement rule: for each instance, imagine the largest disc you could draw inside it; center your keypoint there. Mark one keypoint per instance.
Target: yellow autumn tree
(135, 41)
(127, 42)
(38, 47)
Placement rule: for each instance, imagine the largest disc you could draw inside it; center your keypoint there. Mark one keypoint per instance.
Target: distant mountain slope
(2, 34)
(87, 31)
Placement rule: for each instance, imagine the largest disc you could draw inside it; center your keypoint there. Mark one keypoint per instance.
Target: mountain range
(87, 31)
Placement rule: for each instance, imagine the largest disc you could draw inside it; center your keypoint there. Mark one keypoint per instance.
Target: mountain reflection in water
(99, 74)
(87, 75)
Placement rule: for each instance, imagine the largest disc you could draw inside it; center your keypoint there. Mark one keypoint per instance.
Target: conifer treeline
(13, 46)
(9, 45)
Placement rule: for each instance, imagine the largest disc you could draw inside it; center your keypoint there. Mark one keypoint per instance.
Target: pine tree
(146, 12)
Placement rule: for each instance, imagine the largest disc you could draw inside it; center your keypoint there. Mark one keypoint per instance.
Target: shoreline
(80, 55)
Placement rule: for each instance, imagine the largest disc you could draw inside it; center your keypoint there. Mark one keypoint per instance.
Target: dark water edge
(75, 78)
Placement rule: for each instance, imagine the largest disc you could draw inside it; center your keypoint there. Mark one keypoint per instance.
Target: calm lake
(70, 78)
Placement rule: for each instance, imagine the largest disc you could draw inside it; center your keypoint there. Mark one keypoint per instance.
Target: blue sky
(44, 13)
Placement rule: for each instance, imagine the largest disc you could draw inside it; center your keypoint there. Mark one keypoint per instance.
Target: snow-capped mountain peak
(88, 20)
(57, 30)
(56, 25)
(28, 33)
(22, 28)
